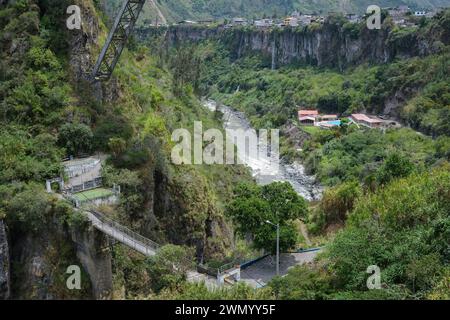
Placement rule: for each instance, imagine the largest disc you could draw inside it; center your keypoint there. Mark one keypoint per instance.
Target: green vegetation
(278, 203)
(403, 229)
(48, 113)
(408, 239)
(199, 291)
(269, 97)
(76, 138)
(371, 156)
(386, 201)
(408, 231)
(302, 283)
(169, 267)
(388, 192)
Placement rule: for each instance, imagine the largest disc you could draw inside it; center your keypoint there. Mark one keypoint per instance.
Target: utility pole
(278, 245)
(278, 249)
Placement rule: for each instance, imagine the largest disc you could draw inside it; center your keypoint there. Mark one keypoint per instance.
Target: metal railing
(145, 245)
(87, 185)
(220, 270)
(125, 235)
(229, 266)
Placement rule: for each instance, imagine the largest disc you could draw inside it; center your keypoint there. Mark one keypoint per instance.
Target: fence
(88, 185)
(81, 167)
(238, 263)
(201, 268)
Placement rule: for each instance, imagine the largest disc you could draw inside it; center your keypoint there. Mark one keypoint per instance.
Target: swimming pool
(333, 123)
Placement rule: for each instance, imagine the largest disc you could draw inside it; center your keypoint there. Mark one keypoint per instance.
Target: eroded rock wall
(4, 263)
(328, 45)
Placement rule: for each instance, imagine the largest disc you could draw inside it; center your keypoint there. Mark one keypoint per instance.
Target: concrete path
(260, 273)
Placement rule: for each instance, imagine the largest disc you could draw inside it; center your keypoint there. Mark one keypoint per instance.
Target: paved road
(260, 273)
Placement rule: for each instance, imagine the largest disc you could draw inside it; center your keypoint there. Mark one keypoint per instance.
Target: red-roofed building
(303, 113)
(364, 120)
(327, 117)
(307, 117)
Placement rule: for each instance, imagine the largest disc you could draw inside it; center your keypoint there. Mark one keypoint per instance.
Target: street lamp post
(278, 244)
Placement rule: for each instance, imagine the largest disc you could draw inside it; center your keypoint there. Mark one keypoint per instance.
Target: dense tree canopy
(278, 203)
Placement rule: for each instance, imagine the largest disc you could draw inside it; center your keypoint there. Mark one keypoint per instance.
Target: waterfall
(273, 55)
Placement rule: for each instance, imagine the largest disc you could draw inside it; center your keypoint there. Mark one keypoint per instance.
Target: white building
(239, 22)
(353, 18)
(305, 19)
(291, 22)
(264, 23)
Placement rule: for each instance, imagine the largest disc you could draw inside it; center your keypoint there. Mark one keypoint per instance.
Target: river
(294, 173)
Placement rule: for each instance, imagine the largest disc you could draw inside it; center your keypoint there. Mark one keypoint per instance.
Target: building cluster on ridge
(402, 16)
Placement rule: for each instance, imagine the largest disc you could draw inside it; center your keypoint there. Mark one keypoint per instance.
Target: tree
(76, 138)
(277, 202)
(441, 289)
(117, 146)
(199, 291)
(111, 126)
(29, 208)
(131, 186)
(423, 271)
(169, 266)
(395, 166)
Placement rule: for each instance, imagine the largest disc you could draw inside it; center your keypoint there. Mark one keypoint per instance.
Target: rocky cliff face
(40, 261)
(4, 263)
(329, 45)
(83, 44)
(95, 257)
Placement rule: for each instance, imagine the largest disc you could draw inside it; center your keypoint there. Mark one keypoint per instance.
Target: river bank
(294, 173)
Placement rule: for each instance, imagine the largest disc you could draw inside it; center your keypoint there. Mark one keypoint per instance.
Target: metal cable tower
(117, 39)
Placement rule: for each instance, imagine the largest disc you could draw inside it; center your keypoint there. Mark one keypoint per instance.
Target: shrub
(76, 138)
(169, 266)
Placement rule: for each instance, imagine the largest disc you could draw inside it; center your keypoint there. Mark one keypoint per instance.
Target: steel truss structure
(118, 36)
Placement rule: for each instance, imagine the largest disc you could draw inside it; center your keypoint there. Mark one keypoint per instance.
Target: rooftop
(363, 117)
(329, 116)
(307, 118)
(308, 112)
